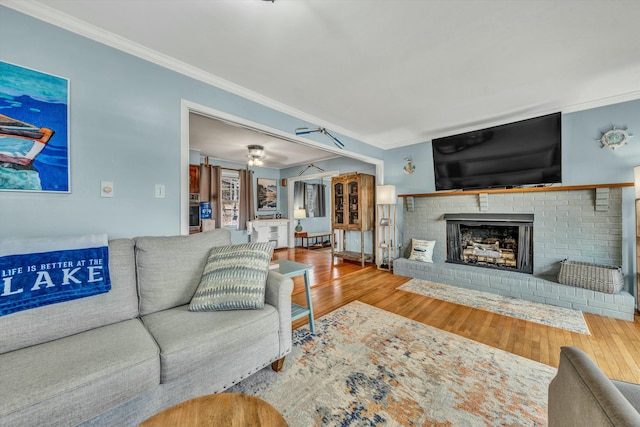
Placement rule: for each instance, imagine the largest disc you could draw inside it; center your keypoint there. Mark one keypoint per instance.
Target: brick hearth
(520, 285)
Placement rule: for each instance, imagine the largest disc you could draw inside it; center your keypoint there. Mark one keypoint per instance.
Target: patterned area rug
(558, 317)
(365, 366)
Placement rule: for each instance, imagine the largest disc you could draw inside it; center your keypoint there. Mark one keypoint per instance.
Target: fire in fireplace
(503, 241)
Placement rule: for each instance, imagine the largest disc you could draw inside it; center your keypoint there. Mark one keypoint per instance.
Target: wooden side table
(223, 409)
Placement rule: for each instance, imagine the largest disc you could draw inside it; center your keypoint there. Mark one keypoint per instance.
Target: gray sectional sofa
(118, 358)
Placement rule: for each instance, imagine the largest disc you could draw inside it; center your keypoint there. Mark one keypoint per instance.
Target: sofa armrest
(581, 394)
(278, 294)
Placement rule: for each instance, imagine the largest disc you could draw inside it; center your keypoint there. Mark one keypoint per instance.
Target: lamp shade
(299, 213)
(386, 195)
(636, 180)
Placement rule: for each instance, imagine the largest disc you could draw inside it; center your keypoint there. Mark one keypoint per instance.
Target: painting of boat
(34, 146)
(15, 129)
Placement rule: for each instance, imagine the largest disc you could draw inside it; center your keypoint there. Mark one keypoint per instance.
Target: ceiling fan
(304, 131)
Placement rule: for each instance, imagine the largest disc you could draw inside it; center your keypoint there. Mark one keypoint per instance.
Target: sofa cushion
(189, 340)
(169, 268)
(47, 323)
(234, 278)
(71, 380)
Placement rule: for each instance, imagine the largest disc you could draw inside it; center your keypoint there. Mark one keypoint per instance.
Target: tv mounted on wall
(522, 153)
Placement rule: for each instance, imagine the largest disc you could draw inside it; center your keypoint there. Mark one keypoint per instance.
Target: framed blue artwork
(34, 130)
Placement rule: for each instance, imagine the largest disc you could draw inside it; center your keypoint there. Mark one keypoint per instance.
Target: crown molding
(601, 102)
(53, 16)
(565, 109)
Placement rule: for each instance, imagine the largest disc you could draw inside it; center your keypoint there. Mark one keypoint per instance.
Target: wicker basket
(597, 277)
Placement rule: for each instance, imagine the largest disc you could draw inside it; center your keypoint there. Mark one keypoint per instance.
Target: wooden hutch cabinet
(352, 207)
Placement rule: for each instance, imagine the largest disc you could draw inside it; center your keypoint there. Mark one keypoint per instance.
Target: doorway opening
(188, 107)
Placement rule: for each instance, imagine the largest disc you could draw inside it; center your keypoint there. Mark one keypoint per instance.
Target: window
(230, 198)
(314, 200)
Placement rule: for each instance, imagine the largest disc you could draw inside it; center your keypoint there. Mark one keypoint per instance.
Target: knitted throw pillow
(234, 278)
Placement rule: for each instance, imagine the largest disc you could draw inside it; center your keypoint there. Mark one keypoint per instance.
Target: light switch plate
(106, 189)
(160, 191)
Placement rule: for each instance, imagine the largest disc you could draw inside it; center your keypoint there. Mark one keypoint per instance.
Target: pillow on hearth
(422, 250)
(234, 278)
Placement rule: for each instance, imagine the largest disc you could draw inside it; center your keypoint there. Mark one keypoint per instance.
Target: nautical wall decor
(614, 138)
(305, 131)
(409, 167)
(34, 138)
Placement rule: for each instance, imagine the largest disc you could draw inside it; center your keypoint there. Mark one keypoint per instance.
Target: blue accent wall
(583, 159)
(125, 128)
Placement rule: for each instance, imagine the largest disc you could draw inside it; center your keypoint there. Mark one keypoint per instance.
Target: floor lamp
(386, 229)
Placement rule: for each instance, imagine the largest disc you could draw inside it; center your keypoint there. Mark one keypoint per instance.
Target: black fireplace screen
(495, 244)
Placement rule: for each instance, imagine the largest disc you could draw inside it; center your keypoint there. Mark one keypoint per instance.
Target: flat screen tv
(522, 153)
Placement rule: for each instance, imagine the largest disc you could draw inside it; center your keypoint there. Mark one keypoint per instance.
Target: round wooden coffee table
(223, 409)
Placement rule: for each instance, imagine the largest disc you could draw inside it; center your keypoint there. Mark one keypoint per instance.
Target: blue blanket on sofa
(38, 272)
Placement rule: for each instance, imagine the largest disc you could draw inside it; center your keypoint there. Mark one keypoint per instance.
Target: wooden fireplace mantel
(520, 190)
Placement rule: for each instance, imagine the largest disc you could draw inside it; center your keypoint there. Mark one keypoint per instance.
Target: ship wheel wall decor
(614, 138)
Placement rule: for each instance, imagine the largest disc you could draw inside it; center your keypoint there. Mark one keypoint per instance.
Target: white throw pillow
(422, 250)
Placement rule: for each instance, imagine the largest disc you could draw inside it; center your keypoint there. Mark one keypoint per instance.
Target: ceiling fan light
(256, 151)
(255, 156)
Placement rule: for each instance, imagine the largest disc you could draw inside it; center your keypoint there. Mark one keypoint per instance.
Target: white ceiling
(224, 141)
(389, 73)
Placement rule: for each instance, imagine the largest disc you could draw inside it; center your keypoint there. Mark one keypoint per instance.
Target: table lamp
(299, 214)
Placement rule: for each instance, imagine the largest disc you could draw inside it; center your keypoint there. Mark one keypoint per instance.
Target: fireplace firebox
(502, 241)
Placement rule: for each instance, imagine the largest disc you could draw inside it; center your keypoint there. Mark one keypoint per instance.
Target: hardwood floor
(613, 344)
(323, 272)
